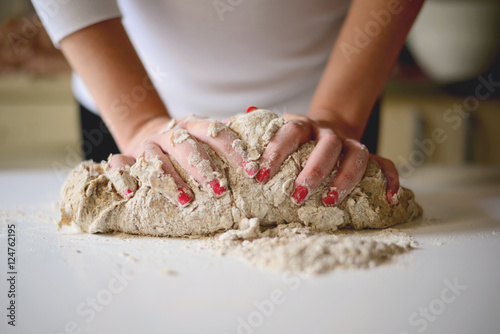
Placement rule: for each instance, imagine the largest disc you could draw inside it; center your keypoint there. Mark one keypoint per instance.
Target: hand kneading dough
(90, 201)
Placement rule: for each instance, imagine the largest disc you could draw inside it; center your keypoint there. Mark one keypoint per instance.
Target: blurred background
(441, 105)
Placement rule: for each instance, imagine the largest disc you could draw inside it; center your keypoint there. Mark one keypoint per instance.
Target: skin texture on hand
(104, 57)
(351, 83)
(325, 156)
(180, 140)
(106, 60)
(347, 91)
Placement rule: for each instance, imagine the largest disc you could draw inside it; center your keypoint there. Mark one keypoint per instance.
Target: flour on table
(294, 248)
(252, 215)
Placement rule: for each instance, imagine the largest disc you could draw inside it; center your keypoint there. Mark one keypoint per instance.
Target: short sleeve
(63, 17)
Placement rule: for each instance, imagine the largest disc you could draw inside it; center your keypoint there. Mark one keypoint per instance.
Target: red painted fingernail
(215, 184)
(126, 193)
(299, 194)
(251, 108)
(263, 175)
(183, 197)
(250, 171)
(331, 197)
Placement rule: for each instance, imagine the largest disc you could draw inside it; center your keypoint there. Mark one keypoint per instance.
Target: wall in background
(39, 122)
(13, 8)
(422, 123)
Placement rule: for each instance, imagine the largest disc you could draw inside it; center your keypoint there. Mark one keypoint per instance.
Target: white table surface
(66, 281)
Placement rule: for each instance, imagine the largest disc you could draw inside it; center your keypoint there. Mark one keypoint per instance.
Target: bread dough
(91, 202)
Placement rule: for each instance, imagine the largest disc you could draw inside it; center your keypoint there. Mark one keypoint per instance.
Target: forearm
(356, 72)
(104, 57)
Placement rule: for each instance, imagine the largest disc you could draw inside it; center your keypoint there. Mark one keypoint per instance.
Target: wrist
(342, 126)
(142, 130)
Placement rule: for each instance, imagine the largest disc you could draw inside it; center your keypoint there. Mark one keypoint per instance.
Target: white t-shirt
(215, 57)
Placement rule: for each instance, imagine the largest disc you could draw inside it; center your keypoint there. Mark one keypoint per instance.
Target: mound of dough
(90, 201)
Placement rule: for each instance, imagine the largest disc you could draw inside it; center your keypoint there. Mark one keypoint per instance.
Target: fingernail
(127, 193)
(263, 175)
(217, 188)
(300, 194)
(331, 197)
(184, 198)
(250, 171)
(251, 108)
(394, 196)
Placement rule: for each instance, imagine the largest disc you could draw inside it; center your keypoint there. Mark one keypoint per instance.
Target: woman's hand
(351, 83)
(163, 137)
(331, 140)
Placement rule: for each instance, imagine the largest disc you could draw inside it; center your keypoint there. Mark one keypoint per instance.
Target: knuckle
(361, 151)
(354, 143)
(150, 147)
(331, 137)
(273, 156)
(129, 160)
(392, 175)
(390, 165)
(349, 142)
(113, 158)
(316, 172)
(151, 150)
(294, 117)
(347, 177)
(362, 147)
(296, 128)
(125, 159)
(364, 155)
(196, 127)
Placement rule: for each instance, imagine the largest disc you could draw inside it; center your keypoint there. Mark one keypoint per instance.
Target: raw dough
(91, 202)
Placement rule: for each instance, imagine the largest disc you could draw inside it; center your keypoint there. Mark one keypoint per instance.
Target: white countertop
(67, 282)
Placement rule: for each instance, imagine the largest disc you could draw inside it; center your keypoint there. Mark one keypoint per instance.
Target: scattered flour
(258, 222)
(295, 248)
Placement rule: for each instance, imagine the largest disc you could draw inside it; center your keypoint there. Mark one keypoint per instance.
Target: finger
(154, 169)
(194, 159)
(284, 142)
(224, 142)
(391, 175)
(350, 172)
(118, 171)
(319, 165)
